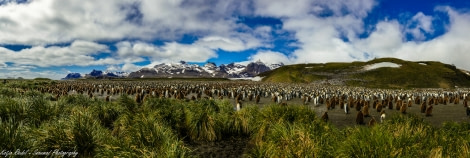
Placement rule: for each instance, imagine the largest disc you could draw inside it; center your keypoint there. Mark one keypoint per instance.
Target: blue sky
(50, 38)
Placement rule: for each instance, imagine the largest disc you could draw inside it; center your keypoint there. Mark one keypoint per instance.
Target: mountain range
(183, 69)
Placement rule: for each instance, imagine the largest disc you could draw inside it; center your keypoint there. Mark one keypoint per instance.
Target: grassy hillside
(422, 74)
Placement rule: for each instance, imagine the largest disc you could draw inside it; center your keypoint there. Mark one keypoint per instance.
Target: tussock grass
(162, 127)
(403, 136)
(14, 134)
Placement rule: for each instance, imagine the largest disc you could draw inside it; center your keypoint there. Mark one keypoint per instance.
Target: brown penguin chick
(274, 99)
(107, 98)
(398, 106)
(379, 107)
(137, 98)
(257, 98)
(390, 105)
(423, 108)
(324, 117)
(468, 110)
(365, 110)
(372, 122)
(374, 104)
(360, 118)
(403, 108)
(429, 111)
(146, 97)
(358, 106)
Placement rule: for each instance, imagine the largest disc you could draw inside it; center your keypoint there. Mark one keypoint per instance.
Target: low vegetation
(164, 127)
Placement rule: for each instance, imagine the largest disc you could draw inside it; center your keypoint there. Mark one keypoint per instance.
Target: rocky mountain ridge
(183, 69)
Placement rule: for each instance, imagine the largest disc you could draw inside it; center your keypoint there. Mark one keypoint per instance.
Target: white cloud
(113, 68)
(28, 74)
(169, 52)
(41, 22)
(321, 26)
(270, 57)
(78, 53)
(418, 25)
(130, 67)
(325, 31)
(384, 41)
(3, 65)
(452, 47)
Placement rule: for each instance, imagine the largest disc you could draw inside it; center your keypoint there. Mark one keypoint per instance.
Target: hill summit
(377, 73)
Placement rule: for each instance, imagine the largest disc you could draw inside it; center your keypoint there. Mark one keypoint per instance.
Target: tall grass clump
(292, 131)
(12, 108)
(203, 122)
(76, 100)
(243, 122)
(14, 135)
(170, 112)
(145, 136)
(107, 113)
(8, 92)
(40, 110)
(80, 133)
(154, 139)
(401, 136)
(452, 140)
(273, 114)
(127, 102)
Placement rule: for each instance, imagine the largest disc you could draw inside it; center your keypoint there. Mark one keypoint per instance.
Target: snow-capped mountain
(98, 74)
(72, 76)
(185, 70)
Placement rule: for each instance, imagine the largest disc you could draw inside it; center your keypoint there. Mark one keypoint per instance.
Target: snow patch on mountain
(183, 69)
(380, 65)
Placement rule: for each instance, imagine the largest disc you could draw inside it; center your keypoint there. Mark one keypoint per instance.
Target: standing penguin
(429, 111)
(423, 108)
(365, 111)
(239, 106)
(360, 118)
(346, 108)
(324, 117)
(382, 116)
(372, 122)
(403, 108)
(468, 111)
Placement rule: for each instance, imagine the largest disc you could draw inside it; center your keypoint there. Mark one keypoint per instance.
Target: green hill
(421, 74)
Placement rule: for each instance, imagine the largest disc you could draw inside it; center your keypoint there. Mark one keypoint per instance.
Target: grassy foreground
(162, 128)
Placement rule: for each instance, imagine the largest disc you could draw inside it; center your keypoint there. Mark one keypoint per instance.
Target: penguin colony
(353, 100)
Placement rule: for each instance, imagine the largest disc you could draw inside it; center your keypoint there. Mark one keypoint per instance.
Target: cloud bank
(121, 34)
